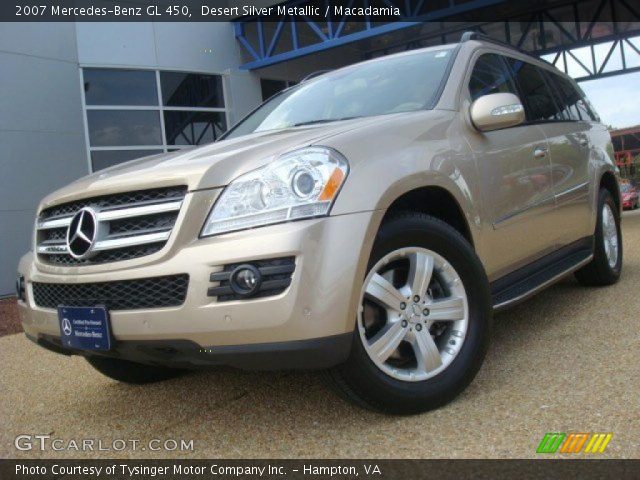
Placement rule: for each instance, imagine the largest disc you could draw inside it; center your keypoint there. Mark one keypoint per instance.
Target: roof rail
(314, 74)
(471, 35)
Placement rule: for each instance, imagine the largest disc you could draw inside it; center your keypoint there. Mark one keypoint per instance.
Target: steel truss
(588, 39)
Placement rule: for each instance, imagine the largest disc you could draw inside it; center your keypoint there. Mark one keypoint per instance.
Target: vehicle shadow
(231, 411)
(208, 395)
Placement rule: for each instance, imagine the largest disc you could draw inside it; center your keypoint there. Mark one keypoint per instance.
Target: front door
(514, 170)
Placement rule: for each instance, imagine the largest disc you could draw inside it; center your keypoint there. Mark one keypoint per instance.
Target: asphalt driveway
(566, 361)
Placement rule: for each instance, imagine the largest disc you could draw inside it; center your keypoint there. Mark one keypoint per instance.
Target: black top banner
(369, 11)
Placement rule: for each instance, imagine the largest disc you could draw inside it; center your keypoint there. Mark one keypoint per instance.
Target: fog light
(245, 280)
(20, 288)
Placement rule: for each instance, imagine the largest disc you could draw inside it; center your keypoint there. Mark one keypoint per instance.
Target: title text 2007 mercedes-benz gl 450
(367, 222)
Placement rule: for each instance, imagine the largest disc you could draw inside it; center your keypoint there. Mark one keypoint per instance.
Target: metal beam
(559, 32)
(332, 33)
(623, 50)
(555, 31)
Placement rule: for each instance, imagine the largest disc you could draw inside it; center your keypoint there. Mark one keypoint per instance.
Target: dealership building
(76, 98)
(79, 97)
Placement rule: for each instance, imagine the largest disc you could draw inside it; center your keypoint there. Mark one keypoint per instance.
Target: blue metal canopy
(586, 38)
(265, 49)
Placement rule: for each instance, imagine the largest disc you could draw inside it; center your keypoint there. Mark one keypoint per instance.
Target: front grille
(116, 200)
(157, 292)
(108, 256)
(130, 225)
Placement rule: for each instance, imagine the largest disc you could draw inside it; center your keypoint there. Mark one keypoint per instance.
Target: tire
(131, 372)
(600, 272)
(364, 382)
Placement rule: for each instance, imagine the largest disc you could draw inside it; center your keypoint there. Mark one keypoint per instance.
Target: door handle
(540, 152)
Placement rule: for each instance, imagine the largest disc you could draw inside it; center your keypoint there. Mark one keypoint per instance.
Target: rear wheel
(131, 372)
(606, 265)
(424, 319)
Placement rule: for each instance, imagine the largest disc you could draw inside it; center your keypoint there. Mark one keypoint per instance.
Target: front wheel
(424, 319)
(606, 265)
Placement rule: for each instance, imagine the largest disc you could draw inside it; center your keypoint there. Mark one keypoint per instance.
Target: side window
(586, 108)
(490, 75)
(534, 88)
(567, 98)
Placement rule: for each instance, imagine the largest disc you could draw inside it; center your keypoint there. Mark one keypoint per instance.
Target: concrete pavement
(567, 360)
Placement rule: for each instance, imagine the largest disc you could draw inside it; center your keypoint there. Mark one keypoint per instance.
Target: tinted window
(567, 98)
(124, 127)
(537, 96)
(193, 128)
(490, 75)
(586, 108)
(191, 90)
(119, 87)
(107, 158)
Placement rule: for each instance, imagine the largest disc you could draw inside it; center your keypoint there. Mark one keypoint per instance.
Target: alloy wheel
(413, 314)
(610, 235)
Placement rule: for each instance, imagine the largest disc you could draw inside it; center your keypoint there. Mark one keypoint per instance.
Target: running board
(530, 279)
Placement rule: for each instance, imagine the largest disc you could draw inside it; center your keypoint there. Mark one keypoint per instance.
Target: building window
(271, 87)
(191, 90)
(193, 128)
(135, 113)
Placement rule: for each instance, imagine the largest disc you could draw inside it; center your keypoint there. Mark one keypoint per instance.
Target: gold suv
(367, 221)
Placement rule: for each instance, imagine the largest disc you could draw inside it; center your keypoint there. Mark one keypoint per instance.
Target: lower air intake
(156, 292)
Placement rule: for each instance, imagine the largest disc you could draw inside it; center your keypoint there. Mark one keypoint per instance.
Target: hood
(209, 166)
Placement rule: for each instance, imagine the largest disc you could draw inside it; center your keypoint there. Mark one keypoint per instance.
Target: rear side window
(568, 97)
(490, 75)
(586, 108)
(537, 95)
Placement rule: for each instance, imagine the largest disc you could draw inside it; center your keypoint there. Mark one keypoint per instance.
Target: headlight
(300, 184)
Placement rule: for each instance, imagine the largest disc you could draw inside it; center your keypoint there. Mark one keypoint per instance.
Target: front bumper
(271, 332)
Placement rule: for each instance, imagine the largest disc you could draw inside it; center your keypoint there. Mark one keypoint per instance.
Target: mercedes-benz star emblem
(81, 234)
(66, 326)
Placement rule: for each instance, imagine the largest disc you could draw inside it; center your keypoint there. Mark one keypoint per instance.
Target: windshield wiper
(321, 120)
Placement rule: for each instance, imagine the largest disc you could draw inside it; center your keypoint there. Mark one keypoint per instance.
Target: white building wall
(41, 129)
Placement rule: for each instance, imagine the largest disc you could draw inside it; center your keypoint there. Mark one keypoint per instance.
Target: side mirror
(496, 110)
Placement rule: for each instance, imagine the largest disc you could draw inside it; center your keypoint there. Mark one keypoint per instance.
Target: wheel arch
(447, 204)
(436, 201)
(609, 181)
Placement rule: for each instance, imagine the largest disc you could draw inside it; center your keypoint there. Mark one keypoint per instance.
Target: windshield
(396, 84)
(625, 188)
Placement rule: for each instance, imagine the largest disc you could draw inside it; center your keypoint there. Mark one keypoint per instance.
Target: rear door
(552, 106)
(572, 177)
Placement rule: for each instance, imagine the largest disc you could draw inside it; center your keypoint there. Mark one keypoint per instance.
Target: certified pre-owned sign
(28, 442)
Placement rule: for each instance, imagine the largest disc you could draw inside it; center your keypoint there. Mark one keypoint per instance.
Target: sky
(616, 99)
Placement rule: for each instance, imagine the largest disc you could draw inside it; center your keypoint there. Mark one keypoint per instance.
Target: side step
(530, 279)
